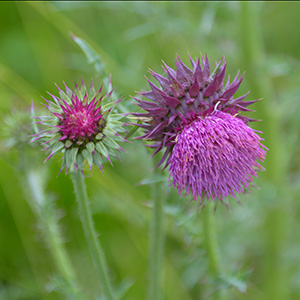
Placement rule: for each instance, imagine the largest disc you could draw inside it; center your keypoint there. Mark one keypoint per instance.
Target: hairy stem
(91, 235)
(156, 244)
(211, 244)
(45, 213)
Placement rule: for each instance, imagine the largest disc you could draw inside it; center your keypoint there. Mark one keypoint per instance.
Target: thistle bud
(83, 125)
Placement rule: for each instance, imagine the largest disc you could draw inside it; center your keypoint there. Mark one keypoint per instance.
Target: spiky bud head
(83, 125)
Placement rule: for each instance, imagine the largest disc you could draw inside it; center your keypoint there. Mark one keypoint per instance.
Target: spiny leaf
(92, 56)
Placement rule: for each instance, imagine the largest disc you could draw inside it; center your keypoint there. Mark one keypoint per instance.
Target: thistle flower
(82, 125)
(208, 146)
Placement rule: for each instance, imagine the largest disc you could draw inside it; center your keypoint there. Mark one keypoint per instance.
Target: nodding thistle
(209, 148)
(83, 125)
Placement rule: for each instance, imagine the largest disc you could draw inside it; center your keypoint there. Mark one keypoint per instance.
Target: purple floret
(215, 157)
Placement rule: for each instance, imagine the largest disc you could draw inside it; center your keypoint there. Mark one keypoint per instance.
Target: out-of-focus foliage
(259, 240)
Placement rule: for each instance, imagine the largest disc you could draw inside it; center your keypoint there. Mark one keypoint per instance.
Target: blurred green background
(259, 240)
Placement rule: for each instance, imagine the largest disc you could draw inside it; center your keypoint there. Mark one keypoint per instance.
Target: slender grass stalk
(47, 219)
(156, 243)
(211, 244)
(19, 212)
(91, 235)
(17, 83)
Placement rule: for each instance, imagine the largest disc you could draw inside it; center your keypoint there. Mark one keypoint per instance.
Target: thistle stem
(91, 235)
(274, 268)
(46, 215)
(211, 244)
(156, 244)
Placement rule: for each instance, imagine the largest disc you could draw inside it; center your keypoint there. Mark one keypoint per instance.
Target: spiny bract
(210, 149)
(83, 125)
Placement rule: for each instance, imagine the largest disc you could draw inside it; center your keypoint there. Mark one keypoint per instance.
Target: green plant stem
(274, 270)
(211, 244)
(156, 243)
(91, 235)
(46, 215)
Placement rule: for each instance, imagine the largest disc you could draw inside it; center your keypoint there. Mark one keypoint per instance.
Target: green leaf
(151, 180)
(238, 282)
(133, 130)
(92, 56)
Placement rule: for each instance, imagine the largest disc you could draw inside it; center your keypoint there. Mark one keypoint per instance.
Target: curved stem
(91, 235)
(156, 244)
(211, 243)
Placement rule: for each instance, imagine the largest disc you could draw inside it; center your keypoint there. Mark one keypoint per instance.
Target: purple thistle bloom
(208, 146)
(83, 126)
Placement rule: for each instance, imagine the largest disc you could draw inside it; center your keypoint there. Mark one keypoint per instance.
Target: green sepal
(108, 131)
(118, 138)
(68, 143)
(97, 160)
(92, 93)
(107, 106)
(64, 162)
(56, 147)
(79, 161)
(68, 157)
(115, 124)
(116, 117)
(88, 155)
(99, 136)
(33, 125)
(90, 146)
(110, 143)
(64, 96)
(71, 158)
(82, 91)
(102, 149)
(74, 152)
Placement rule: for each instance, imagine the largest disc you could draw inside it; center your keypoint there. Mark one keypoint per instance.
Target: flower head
(194, 117)
(82, 125)
(16, 129)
